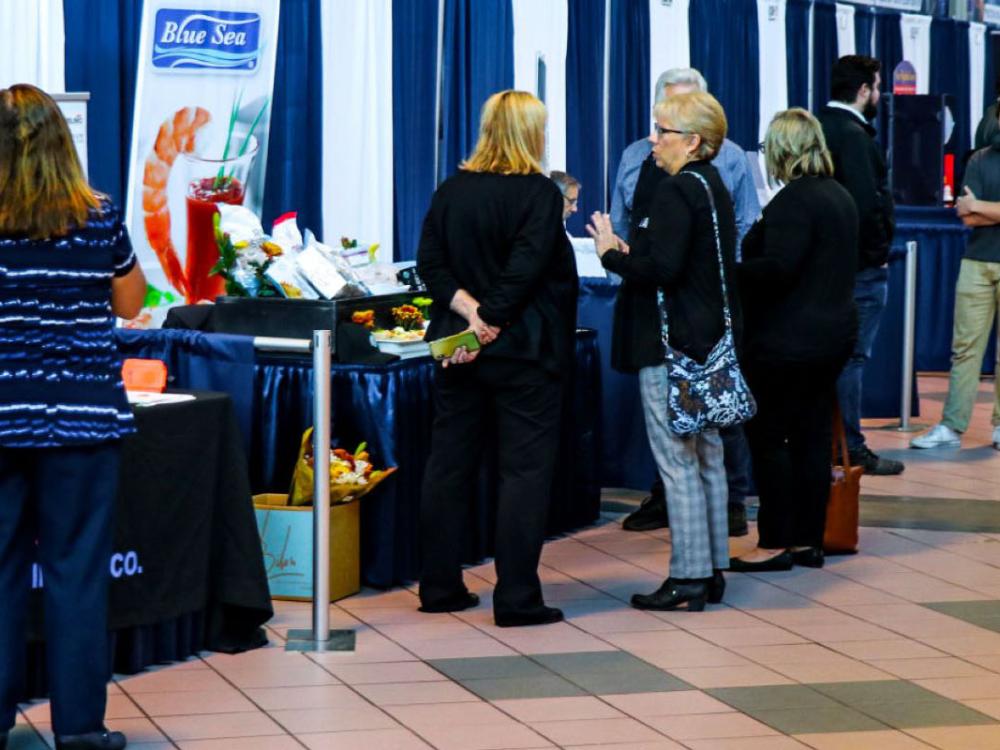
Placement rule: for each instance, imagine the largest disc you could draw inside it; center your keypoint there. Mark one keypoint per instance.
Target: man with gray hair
(634, 187)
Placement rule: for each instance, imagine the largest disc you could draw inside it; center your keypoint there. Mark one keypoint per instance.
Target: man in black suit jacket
(859, 166)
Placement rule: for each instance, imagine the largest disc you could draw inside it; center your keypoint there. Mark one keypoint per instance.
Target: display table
(390, 407)
(187, 570)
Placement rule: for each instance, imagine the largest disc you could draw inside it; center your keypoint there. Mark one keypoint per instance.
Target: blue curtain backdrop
(724, 47)
(102, 49)
(630, 112)
(990, 77)
(888, 45)
(414, 90)
(864, 21)
(294, 179)
(477, 61)
(824, 50)
(797, 52)
(585, 108)
(950, 75)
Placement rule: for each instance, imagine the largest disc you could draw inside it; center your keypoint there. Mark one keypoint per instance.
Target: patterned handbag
(714, 394)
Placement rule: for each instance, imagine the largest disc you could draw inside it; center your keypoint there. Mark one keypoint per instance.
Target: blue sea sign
(206, 39)
(904, 78)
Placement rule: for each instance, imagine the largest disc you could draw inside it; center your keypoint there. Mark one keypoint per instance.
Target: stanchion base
(305, 640)
(911, 427)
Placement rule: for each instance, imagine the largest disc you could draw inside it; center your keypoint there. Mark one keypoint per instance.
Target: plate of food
(401, 342)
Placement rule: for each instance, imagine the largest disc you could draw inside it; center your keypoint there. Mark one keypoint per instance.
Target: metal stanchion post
(321, 638)
(909, 317)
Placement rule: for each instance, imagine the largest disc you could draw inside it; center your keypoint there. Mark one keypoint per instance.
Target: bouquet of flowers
(245, 253)
(352, 475)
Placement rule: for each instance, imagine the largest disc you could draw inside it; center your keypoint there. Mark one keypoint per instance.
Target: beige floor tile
(964, 688)
(714, 677)
(758, 635)
(371, 739)
(988, 706)
(193, 702)
(529, 710)
(895, 648)
(407, 693)
(448, 714)
(367, 674)
(315, 696)
(889, 740)
(173, 680)
(960, 738)
(277, 742)
(663, 744)
(915, 669)
(674, 703)
(300, 674)
(484, 737)
(213, 726)
(709, 726)
(595, 731)
(747, 743)
(847, 670)
(340, 719)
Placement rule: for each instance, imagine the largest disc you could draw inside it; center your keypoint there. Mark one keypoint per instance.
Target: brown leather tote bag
(840, 537)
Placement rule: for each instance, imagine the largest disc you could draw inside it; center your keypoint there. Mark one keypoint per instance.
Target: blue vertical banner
(824, 50)
(477, 60)
(294, 179)
(725, 48)
(585, 158)
(797, 52)
(629, 108)
(888, 44)
(102, 51)
(414, 89)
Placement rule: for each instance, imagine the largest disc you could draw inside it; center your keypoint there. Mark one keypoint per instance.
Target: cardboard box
(286, 534)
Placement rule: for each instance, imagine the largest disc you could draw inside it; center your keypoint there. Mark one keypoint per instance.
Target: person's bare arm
(128, 292)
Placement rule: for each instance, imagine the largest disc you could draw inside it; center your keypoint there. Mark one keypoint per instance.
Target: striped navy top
(60, 372)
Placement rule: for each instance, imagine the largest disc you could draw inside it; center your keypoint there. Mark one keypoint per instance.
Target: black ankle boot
(103, 740)
(716, 586)
(456, 603)
(811, 557)
(672, 594)
(543, 616)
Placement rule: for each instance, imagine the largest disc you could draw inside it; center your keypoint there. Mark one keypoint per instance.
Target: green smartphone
(444, 348)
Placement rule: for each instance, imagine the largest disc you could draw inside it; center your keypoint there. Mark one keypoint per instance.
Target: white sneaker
(942, 436)
(996, 437)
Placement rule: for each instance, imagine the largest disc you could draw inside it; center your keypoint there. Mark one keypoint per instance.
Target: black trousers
(524, 403)
(790, 444)
(64, 498)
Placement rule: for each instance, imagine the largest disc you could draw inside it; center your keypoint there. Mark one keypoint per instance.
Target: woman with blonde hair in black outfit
(797, 285)
(496, 260)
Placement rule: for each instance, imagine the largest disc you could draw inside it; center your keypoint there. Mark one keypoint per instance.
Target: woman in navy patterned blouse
(66, 270)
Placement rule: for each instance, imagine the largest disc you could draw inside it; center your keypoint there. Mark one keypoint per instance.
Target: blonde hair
(511, 135)
(43, 192)
(698, 113)
(794, 146)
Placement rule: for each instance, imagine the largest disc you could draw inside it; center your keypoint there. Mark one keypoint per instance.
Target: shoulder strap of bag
(718, 248)
(839, 439)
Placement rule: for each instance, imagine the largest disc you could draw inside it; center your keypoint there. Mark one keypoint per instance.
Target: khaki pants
(977, 296)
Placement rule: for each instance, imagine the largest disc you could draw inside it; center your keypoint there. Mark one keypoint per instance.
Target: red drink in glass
(202, 250)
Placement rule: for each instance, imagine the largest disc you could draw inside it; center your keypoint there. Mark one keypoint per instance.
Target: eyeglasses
(660, 131)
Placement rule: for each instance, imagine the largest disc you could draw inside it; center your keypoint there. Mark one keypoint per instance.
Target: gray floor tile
(591, 661)
(536, 686)
(985, 614)
(863, 694)
(814, 719)
(932, 513)
(610, 672)
(943, 713)
(25, 738)
(489, 667)
(773, 697)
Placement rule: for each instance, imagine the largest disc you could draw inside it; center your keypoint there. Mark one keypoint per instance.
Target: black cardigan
(675, 252)
(858, 165)
(501, 238)
(797, 275)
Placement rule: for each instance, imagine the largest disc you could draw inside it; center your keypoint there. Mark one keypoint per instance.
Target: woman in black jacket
(796, 282)
(496, 260)
(675, 252)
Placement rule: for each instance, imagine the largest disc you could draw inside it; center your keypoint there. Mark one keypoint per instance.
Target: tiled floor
(892, 649)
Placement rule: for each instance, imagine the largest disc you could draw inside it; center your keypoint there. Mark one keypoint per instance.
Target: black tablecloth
(187, 571)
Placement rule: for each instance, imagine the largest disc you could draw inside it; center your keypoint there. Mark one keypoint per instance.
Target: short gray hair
(682, 76)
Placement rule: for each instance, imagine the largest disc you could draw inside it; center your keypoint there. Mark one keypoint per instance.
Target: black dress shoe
(738, 520)
(651, 514)
(716, 587)
(874, 464)
(467, 600)
(809, 558)
(544, 616)
(778, 562)
(103, 740)
(672, 594)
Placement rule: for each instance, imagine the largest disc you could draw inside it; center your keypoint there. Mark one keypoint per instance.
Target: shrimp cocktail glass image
(212, 181)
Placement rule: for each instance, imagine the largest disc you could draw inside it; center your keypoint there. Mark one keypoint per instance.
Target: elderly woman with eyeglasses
(676, 251)
(797, 282)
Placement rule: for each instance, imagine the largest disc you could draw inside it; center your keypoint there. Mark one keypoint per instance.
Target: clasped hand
(966, 202)
(604, 235)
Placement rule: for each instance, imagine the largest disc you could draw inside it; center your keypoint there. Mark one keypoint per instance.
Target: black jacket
(859, 166)
(675, 252)
(501, 238)
(797, 275)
